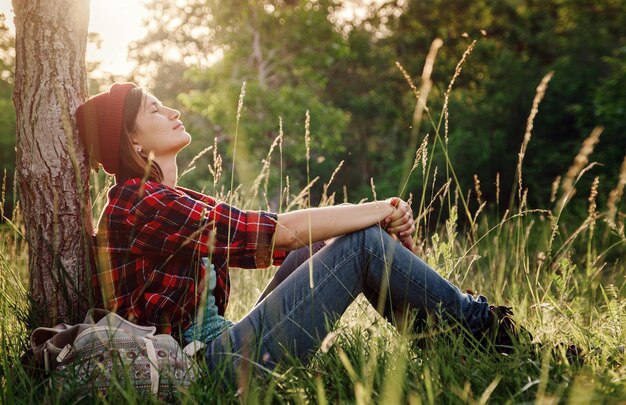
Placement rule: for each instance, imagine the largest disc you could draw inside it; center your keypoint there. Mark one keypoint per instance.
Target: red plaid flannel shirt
(150, 240)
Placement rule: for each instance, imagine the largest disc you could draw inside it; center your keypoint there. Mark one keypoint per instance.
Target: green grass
(579, 298)
(370, 362)
(564, 276)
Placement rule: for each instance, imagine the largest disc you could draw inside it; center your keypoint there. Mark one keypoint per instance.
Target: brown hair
(133, 164)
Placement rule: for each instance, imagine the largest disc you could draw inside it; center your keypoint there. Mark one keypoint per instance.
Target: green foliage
(295, 56)
(518, 42)
(299, 55)
(259, 128)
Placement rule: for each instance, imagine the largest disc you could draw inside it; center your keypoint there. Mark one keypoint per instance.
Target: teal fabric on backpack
(208, 324)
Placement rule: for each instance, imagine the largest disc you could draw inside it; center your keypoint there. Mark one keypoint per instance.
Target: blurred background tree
(301, 55)
(282, 50)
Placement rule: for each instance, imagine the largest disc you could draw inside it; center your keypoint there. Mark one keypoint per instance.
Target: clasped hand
(400, 222)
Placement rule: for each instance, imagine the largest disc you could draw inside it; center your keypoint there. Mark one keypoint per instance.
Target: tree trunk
(53, 174)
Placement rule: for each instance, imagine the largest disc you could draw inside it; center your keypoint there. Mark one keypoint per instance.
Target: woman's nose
(174, 113)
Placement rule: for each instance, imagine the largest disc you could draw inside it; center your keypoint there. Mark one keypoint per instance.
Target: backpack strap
(154, 365)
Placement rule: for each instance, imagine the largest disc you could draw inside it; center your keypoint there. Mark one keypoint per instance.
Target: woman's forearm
(299, 228)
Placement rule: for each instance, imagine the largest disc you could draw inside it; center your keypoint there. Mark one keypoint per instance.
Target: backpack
(94, 353)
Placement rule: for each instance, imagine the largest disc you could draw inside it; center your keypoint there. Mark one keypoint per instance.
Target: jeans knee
(372, 233)
(374, 236)
(367, 240)
(366, 236)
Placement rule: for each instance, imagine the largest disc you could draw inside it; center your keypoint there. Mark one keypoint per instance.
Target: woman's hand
(400, 222)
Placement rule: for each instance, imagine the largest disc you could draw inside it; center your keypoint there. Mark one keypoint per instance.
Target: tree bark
(53, 174)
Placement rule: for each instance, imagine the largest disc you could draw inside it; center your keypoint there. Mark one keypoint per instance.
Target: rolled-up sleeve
(170, 222)
(245, 238)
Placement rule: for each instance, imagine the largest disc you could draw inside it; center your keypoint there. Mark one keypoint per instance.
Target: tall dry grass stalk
(498, 189)
(457, 73)
(424, 147)
(216, 168)
(578, 167)
(450, 172)
(418, 159)
(555, 188)
(590, 220)
(242, 95)
(592, 213)
(420, 109)
(286, 193)
(373, 188)
(480, 209)
(387, 258)
(330, 200)
(408, 79)
(423, 206)
(280, 166)
(479, 193)
(616, 194)
(265, 171)
(426, 85)
(307, 146)
(307, 137)
(524, 201)
(421, 156)
(563, 250)
(420, 106)
(539, 93)
(266, 181)
(3, 193)
(428, 208)
(593, 194)
(192, 164)
(99, 194)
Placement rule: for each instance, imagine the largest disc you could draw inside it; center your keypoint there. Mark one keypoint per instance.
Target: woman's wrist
(385, 209)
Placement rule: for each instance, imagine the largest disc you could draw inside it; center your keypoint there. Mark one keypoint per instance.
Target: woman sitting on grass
(164, 251)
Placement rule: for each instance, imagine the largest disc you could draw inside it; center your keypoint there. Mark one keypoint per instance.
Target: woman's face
(158, 129)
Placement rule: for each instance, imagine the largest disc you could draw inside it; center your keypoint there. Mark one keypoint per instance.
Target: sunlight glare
(119, 22)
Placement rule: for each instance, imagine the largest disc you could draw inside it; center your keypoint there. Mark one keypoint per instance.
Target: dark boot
(500, 331)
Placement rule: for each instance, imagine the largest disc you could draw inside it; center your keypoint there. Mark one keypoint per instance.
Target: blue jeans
(292, 317)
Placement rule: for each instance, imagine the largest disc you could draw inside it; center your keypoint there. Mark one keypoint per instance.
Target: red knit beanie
(100, 120)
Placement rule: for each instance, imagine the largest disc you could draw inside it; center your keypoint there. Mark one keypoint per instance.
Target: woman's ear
(136, 146)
